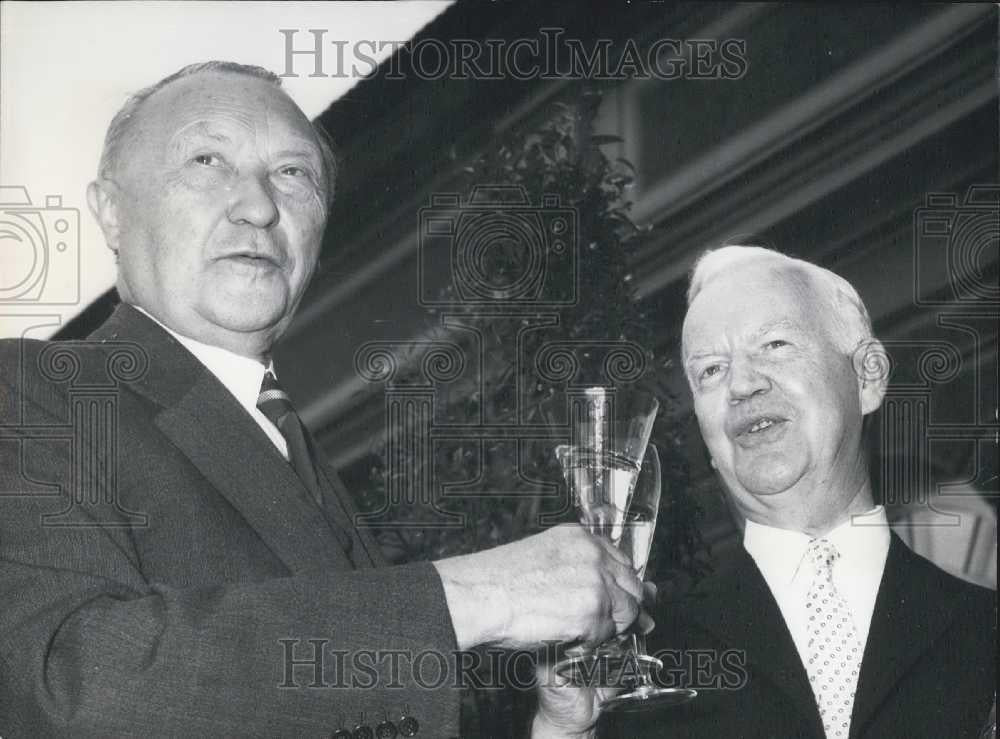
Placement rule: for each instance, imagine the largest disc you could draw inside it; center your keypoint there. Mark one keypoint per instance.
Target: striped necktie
(274, 403)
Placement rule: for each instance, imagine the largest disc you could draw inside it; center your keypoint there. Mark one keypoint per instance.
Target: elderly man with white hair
(825, 625)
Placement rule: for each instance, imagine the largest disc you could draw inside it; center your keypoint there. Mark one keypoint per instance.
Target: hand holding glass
(616, 486)
(609, 431)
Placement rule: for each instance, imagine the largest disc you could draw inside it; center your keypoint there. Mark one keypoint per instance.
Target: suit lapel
(339, 511)
(209, 426)
(903, 626)
(738, 609)
(233, 453)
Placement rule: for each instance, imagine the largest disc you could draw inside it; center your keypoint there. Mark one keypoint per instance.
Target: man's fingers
(616, 554)
(624, 607)
(646, 623)
(651, 591)
(626, 579)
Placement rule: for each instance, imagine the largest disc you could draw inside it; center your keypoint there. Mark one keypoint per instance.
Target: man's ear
(872, 366)
(102, 198)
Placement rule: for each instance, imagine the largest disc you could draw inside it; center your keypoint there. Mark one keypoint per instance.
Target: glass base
(607, 668)
(646, 698)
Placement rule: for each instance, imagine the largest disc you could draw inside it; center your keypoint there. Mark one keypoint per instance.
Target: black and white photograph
(473, 369)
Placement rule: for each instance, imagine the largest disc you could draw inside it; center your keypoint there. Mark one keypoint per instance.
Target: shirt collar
(241, 375)
(861, 540)
(779, 553)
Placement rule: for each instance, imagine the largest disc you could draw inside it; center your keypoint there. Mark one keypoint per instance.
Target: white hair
(848, 320)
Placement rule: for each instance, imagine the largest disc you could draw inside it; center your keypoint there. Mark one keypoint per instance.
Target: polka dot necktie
(834, 647)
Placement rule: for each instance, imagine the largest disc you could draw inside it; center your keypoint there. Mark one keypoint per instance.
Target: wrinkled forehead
(210, 103)
(747, 300)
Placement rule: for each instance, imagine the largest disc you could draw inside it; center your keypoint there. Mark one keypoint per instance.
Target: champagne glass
(635, 671)
(609, 431)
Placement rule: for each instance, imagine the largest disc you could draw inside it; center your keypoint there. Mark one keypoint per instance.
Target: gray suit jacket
(164, 573)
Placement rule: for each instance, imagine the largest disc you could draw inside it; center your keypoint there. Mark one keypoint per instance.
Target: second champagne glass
(609, 430)
(634, 671)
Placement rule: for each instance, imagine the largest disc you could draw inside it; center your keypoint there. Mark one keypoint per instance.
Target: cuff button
(408, 726)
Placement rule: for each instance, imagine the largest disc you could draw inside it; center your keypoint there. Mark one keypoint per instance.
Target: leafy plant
(558, 156)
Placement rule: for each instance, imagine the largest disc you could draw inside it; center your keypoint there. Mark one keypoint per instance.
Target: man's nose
(745, 381)
(252, 203)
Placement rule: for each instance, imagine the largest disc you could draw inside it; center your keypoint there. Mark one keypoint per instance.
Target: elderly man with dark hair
(836, 628)
(216, 584)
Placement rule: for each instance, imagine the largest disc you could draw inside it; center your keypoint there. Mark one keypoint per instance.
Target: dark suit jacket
(928, 668)
(195, 569)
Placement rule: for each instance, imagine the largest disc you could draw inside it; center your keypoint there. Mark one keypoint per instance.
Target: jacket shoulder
(968, 598)
(12, 349)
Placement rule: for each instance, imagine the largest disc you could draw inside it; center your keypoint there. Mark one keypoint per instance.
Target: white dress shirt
(240, 375)
(863, 543)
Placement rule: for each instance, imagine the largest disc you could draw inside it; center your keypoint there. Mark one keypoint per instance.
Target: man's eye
(710, 371)
(294, 170)
(775, 344)
(208, 160)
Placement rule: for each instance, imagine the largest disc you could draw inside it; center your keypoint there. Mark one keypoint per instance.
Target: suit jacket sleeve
(92, 645)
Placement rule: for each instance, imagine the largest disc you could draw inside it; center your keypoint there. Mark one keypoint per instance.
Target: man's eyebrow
(202, 129)
(695, 358)
(194, 133)
(782, 323)
(785, 324)
(306, 151)
(700, 355)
